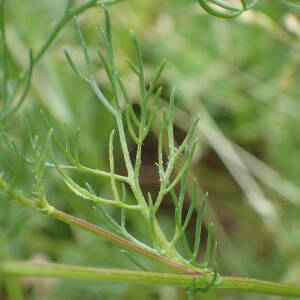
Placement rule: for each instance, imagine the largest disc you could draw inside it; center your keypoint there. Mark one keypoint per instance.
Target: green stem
(84, 169)
(59, 215)
(60, 24)
(125, 151)
(166, 247)
(142, 277)
(71, 220)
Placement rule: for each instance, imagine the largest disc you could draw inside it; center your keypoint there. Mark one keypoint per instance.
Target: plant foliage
(132, 126)
(224, 9)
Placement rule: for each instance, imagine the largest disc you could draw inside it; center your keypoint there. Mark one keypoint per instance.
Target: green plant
(136, 125)
(226, 10)
(11, 103)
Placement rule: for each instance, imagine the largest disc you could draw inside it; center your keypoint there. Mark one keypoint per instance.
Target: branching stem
(71, 220)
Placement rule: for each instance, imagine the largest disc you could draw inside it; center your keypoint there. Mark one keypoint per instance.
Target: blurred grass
(241, 76)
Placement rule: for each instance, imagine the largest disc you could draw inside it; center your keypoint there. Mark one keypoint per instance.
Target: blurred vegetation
(242, 76)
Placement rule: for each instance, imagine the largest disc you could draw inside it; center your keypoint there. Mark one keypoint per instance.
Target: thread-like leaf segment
(221, 9)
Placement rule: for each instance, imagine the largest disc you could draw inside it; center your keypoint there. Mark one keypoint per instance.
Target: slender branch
(28, 269)
(67, 17)
(89, 170)
(143, 250)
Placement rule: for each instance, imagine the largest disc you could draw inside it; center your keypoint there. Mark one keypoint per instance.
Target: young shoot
(134, 125)
(131, 126)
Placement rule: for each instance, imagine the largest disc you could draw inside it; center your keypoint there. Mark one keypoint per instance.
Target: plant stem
(60, 24)
(142, 277)
(168, 249)
(57, 214)
(71, 220)
(84, 169)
